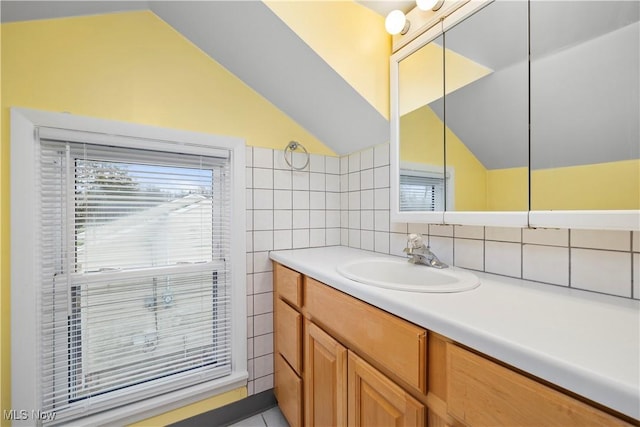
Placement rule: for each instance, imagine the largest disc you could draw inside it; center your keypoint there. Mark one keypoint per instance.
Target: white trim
(422, 167)
(112, 128)
(25, 254)
(496, 219)
(436, 217)
(596, 220)
(424, 24)
(422, 21)
(119, 140)
(148, 408)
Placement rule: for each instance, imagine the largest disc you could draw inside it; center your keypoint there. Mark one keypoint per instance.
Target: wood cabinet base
(288, 392)
(362, 366)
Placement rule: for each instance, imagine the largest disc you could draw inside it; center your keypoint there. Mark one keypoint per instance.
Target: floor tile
(274, 418)
(255, 421)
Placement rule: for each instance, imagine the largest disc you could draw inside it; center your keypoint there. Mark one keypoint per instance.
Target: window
(421, 191)
(135, 271)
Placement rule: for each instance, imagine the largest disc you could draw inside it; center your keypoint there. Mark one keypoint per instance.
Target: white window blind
(421, 191)
(135, 274)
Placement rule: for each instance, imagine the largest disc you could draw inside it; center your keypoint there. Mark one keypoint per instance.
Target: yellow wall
(130, 67)
(614, 185)
(421, 136)
(349, 37)
(421, 141)
(470, 175)
(508, 189)
(134, 67)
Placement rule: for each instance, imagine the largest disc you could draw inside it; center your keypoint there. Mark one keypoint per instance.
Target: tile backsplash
(345, 201)
(595, 260)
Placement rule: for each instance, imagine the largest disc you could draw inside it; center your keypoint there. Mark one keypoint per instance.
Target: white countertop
(584, 342)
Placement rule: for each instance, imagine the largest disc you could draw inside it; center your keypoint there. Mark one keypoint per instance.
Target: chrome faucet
(419, 253)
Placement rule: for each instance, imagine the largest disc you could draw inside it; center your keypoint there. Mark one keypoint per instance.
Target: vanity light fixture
(397, 23)
(429, 4)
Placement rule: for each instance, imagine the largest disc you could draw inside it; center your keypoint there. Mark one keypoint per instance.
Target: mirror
(585, 141)
(466, 90)
(525, 114)
(421, 143)
(485, 109)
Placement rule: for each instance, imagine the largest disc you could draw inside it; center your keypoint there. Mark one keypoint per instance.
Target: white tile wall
(469, 253)
(285, 209)
(601, 271)
(345, 201)
(549, 264)
(503, 234)
(443, 248)
(544, 236)
(555, 256)
(418, 228)
(441, 230)
(601, 239)
(503, 258)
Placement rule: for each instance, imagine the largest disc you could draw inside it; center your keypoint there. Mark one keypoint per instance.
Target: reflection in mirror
(486, 109)
(421, 145)
(585, 142)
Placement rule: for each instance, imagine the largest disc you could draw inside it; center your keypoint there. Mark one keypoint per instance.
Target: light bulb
(426, 4)
(429, 4)
(396, 22)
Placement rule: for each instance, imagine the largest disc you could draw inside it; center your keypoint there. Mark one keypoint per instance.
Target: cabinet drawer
(289, 334)
(288, 391)
(481, 393)
(288, 284)
(395, 344)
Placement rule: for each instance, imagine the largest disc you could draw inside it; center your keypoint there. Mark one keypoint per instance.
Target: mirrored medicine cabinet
(520, 113)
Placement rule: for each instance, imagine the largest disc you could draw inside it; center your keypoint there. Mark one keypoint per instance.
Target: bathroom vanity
(508, 352)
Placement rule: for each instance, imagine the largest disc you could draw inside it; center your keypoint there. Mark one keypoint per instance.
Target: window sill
(148, 408)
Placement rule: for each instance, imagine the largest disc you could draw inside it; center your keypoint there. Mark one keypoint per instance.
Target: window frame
(25, 252)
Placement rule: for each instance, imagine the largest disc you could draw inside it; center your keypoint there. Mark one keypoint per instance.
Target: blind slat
(135, 280)
(421, 192)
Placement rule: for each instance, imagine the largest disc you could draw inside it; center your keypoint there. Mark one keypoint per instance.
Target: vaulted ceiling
(253, 43)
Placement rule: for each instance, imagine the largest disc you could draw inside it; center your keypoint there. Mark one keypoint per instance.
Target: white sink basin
(402, 275)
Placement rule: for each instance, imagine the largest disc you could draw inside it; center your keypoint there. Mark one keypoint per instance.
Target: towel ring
(291, 147)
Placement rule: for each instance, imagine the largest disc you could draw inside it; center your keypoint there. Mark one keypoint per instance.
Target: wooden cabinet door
(483, 393)
(375, 401)
(325, 379)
